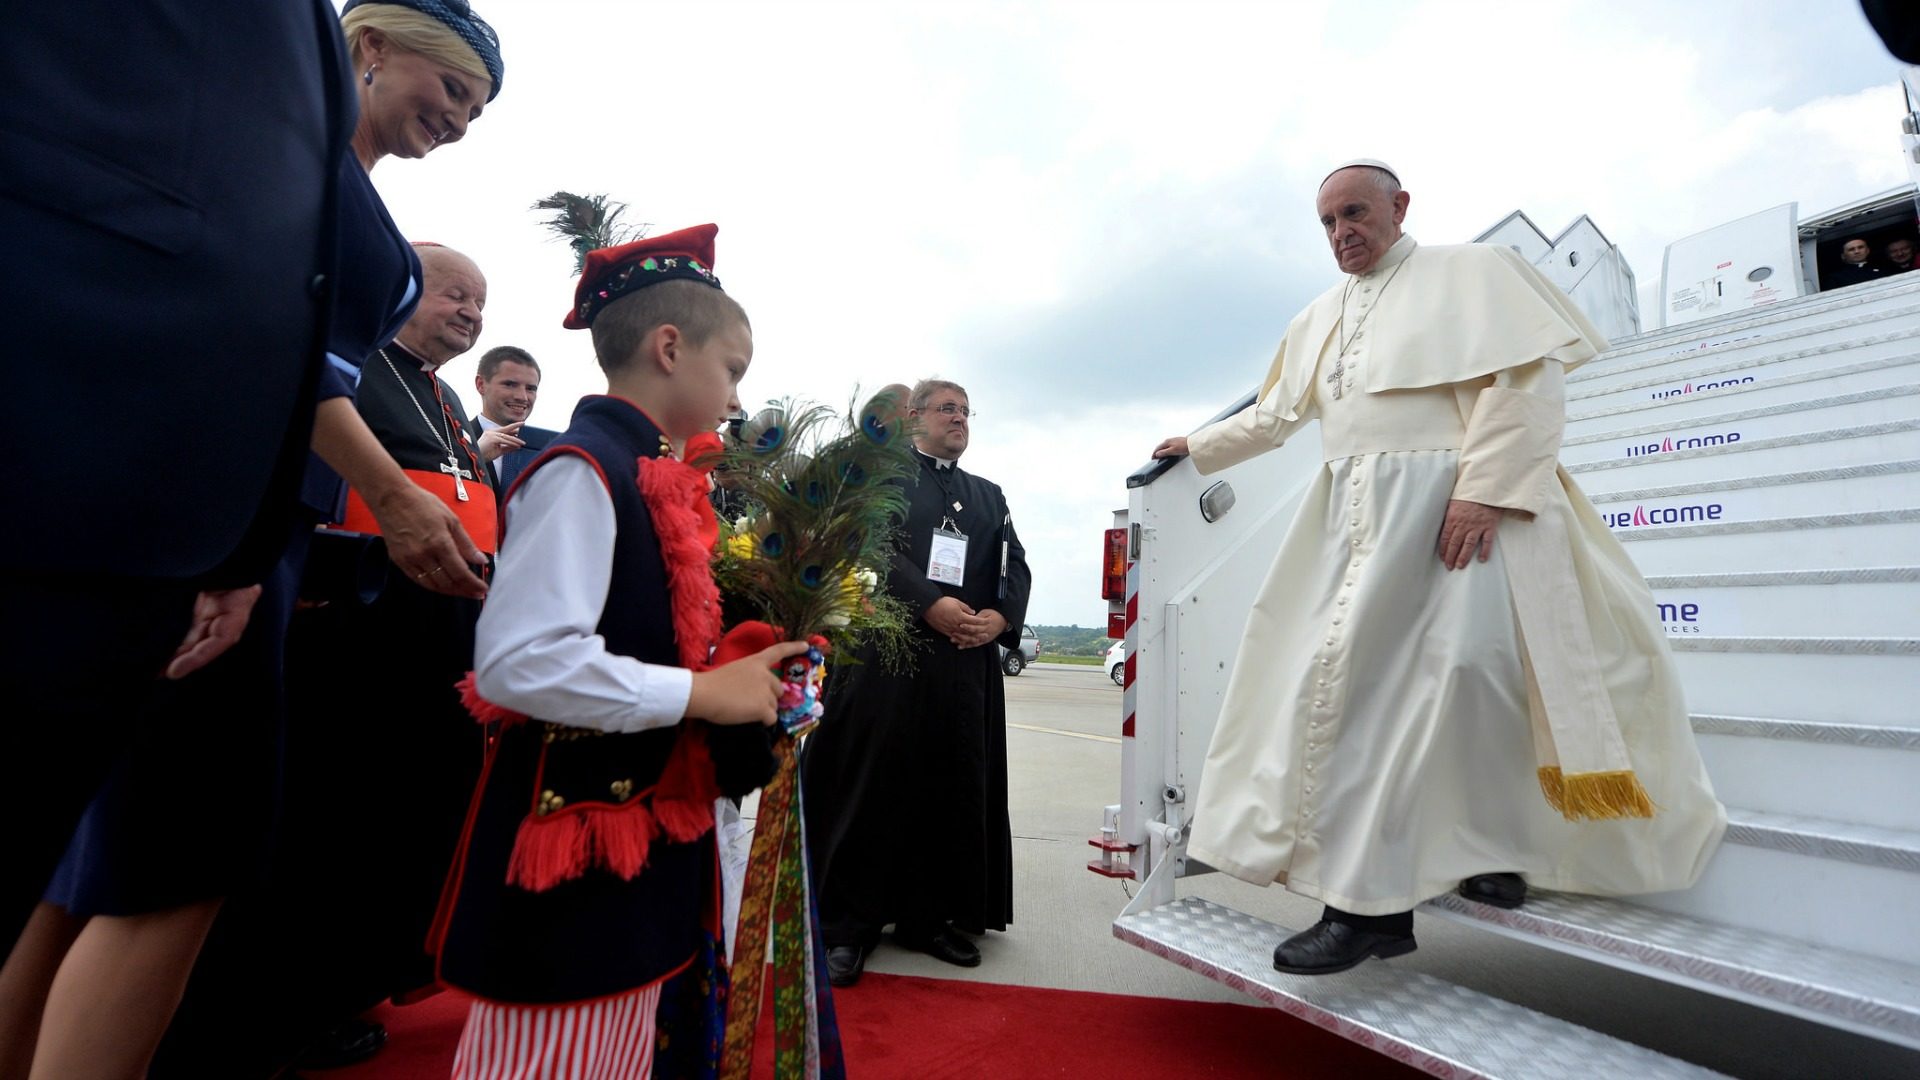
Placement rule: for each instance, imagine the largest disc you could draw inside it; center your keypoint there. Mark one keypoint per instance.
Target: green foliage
(1081, 661)
(1068, 641)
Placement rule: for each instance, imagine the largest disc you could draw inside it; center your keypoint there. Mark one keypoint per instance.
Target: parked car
(1117, 662)
(1013, 662)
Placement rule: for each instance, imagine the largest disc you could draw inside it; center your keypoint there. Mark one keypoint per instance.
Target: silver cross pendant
(1339, 372)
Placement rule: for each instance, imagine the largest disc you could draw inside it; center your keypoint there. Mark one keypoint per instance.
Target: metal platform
(1432, 1025)
(1864, 994)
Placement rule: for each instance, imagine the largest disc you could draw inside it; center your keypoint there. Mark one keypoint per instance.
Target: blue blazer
(167, 184)
(512, 464)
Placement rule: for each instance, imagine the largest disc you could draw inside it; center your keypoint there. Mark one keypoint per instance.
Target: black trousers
(1400, 922)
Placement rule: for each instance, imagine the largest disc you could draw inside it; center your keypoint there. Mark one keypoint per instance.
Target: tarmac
(1063, 760)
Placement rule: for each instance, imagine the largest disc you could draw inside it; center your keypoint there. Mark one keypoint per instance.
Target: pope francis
(1452, 676)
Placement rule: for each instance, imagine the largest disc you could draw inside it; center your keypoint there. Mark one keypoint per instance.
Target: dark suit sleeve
(1019, 581)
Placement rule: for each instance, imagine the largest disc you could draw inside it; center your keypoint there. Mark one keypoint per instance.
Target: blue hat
(459, 17)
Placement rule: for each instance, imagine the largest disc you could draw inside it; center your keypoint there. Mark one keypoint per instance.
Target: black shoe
(1327, 947)
(1500, 890)
(941, 943)
(346, 1043)
(844, 964)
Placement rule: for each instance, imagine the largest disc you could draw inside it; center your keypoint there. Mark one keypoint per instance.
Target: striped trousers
(609, 1039)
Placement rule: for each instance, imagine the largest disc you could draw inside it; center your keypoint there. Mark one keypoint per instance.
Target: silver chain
(421, 409)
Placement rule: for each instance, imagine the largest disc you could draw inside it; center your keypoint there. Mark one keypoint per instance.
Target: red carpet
(899, 1027)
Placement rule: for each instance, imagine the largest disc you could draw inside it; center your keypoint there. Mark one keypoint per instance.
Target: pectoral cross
(1339, 372)
(453, 469)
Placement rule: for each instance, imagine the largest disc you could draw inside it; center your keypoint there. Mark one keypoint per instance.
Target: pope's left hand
(982, 628)
(219, 618)
(1469, 527)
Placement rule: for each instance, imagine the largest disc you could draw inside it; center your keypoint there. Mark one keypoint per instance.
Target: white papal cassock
(1386, 726)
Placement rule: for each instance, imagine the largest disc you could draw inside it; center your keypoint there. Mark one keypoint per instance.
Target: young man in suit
(508, 383)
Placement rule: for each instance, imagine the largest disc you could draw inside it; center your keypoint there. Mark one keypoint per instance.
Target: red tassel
(683, 798)
(482, 710)
(621, 837)
(683, 820)
(549, 850)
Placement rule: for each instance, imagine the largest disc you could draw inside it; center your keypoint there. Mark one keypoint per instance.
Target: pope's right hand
(1175, 447)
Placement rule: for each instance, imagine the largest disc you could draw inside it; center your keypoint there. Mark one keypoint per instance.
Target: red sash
(479, 515)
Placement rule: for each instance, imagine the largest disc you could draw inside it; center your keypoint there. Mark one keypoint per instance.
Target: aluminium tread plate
(1414, 1018)
(1864, 994)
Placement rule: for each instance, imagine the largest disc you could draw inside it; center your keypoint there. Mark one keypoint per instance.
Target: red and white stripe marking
(610, 1039)
(1133, 649)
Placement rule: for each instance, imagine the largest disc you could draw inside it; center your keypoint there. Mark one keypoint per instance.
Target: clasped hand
(959, 623)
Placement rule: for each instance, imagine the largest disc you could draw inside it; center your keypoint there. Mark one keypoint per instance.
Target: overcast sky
(1098, 216)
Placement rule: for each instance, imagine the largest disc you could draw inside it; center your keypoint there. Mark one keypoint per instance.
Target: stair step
(1763, 765)
(1843, 541)
(1863, 444)
(1754, 498)
(1823, 687)
(1430, 1024)
(1853, 308)
(1826, 883)
(1710, 395)
(1843, 841)
(1873, 736)
(1758, 359)
(1780, 419)
(1858, 992)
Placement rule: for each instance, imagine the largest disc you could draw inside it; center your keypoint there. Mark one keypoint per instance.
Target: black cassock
(905, 780)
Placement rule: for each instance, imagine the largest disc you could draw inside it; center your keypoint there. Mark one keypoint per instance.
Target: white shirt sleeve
(537, 649)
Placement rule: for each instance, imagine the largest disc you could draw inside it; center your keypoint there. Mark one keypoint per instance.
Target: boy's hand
(745, 691)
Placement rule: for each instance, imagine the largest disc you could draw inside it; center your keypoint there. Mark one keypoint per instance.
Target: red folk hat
(613, 272)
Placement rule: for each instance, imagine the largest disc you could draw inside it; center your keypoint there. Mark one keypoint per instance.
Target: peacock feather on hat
(588, 222)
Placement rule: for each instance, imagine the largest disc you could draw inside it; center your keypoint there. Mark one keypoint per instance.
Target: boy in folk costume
(583, 906)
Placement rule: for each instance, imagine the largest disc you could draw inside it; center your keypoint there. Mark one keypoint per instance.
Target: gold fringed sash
(1595, 796)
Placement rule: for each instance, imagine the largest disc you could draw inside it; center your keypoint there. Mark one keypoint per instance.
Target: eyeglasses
(951, 409)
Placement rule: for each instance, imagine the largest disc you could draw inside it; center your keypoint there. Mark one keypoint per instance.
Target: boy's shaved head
(698, 310)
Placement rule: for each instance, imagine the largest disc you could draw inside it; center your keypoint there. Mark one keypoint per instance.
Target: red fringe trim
(676, 496)
(549, 850)
(560, 847)
(482, 710)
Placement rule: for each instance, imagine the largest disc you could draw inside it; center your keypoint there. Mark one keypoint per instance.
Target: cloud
(1098, 216)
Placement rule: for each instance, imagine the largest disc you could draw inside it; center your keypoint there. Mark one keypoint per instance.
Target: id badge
(947, 563)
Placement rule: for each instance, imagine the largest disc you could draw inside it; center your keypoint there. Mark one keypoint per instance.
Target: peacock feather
(588, 222)
(808, 555)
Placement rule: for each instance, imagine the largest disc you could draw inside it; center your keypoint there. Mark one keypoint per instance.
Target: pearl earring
(368, 77)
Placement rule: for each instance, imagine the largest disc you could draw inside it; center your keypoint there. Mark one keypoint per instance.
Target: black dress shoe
(1327, 947)
(1500, 890)
(844, 964)
(941, 943)
(346, 1043)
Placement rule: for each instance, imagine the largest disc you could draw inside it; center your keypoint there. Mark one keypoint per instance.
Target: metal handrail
(1154, 469)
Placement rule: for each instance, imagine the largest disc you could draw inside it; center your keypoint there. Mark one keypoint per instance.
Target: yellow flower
(740, 546)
